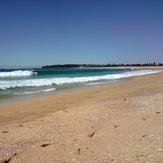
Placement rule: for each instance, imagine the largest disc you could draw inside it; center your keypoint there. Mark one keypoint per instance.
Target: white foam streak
(96, 83)
(58, 81)
(18, 73)
(39, 91)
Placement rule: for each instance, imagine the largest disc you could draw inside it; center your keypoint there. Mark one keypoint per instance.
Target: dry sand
(119, 123)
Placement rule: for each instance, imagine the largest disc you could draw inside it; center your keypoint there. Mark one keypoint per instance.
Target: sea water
(23, 82)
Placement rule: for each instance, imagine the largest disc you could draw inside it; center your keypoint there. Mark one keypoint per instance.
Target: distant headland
(101, 65)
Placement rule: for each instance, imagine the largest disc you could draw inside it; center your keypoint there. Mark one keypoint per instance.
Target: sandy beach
(120, 123)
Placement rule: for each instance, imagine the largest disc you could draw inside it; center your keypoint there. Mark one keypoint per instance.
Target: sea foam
(67, 80)
(35, 92)
(17, 73)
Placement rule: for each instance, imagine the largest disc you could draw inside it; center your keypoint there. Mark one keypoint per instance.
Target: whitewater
(17, 73)
(55, 81)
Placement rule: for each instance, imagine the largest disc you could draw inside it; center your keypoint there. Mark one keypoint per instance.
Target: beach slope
(120, 123)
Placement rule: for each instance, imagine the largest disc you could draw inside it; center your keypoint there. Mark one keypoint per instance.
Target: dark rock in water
(157, 112)
(4, 131)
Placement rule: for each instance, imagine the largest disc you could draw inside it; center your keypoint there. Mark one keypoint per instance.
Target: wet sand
(120, 122)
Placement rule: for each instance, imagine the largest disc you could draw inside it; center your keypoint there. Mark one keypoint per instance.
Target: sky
(41, 32)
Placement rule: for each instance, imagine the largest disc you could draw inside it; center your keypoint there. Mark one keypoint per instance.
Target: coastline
(118, 122)
(13, 94)
(12, 99)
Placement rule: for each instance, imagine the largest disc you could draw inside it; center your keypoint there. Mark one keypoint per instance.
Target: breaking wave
(18, 73)
(67, 80)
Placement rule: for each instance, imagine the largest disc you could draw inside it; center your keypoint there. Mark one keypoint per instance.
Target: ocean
(25, 82)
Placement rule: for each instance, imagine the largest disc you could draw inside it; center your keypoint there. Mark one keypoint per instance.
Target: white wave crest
(17, 73)
(67, 80)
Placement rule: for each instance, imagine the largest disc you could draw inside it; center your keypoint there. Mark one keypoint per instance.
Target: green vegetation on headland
(101, 65)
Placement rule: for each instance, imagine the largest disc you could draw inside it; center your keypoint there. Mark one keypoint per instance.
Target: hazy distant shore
(146, 66)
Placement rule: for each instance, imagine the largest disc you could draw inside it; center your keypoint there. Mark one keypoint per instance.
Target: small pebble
(79, 151)
(92, 134)
(144, 136)
(45, 145)
(159, 149)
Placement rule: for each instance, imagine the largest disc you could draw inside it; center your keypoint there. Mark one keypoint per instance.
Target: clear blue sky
(39, 32)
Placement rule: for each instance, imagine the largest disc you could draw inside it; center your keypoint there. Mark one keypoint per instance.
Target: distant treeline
(101, 65)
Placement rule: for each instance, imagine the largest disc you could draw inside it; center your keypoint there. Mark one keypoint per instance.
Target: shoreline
(118, 122)
(11, 98)
(71, 92)
(14, 99)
